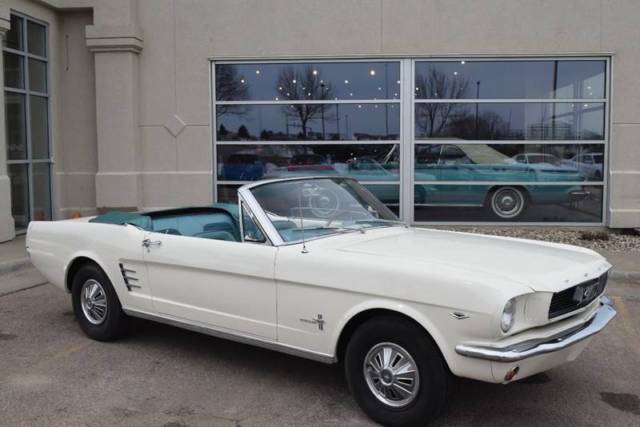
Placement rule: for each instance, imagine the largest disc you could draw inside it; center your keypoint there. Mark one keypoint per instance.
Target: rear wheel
(96, 305)
(395, 372)
(507, 202)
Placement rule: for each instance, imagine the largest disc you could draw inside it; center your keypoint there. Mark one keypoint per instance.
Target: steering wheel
(323, 203)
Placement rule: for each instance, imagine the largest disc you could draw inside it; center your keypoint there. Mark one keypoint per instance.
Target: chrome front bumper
(531, 348)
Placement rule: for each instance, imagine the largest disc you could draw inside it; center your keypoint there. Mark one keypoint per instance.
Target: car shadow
(471, 403)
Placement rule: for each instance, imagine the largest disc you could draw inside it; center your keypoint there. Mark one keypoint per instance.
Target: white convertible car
(319, 268)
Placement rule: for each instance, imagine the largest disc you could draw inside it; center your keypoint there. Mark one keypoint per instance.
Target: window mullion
(25, 69)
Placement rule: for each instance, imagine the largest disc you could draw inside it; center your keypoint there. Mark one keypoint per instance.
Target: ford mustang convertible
(319, 268)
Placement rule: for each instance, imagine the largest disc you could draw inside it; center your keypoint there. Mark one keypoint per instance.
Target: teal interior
(218, 222)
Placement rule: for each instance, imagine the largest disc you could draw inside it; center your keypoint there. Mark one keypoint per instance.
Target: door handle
(147, 243)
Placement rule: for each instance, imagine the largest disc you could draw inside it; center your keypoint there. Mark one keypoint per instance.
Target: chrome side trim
(532, 348)
(241, 338)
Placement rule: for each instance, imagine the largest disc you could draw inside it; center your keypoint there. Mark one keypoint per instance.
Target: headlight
(508, 315)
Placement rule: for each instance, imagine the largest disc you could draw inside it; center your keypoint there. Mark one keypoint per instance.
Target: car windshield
(311, 208)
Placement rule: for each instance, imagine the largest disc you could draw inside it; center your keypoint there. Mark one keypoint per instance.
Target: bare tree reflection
(459, 120)
(487, 125)
(295, 85)
(230, 87)
(433, 118)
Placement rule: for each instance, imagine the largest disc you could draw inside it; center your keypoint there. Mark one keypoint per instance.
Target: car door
(225, 285)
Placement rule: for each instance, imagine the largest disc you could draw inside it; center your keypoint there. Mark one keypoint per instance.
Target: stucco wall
(77, 161)
(169, 162)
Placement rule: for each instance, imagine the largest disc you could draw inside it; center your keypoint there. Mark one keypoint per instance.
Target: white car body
(300, 298)
(590, 164)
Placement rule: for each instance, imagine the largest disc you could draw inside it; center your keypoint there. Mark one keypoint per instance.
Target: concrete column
(7, 227)
(116, 49)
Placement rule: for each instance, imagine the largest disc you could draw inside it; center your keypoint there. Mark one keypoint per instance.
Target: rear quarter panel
(53, 246)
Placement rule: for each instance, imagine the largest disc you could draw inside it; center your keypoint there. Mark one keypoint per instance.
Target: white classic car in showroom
(318, 267)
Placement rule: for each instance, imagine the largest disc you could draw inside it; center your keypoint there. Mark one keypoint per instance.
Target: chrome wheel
(391, 374)
(93, 301)
(507, 202)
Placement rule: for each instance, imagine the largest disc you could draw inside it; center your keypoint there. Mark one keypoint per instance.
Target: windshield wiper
(336, 229)
(380, 221)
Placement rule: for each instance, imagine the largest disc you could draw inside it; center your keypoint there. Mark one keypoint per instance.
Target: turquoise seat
(218, 222)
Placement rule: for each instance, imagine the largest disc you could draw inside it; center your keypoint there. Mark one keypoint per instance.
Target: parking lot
(51, 374)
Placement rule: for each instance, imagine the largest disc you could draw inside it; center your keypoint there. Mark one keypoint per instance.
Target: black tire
(434, 377)
(115, 322)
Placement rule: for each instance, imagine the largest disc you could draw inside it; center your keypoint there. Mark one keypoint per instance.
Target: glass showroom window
(287, 119)
(27, 120)
(512, 140)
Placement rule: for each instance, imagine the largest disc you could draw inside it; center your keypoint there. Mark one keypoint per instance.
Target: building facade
(491, 111)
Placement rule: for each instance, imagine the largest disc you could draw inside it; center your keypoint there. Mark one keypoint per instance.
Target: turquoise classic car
(456, 175)
(490, 179)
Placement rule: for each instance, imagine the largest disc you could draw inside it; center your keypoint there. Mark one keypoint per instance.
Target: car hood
(541, 266)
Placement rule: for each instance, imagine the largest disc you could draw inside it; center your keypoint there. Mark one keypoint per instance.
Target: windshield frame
(246, 196)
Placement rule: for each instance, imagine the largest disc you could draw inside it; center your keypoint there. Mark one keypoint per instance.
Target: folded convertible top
(143, 219)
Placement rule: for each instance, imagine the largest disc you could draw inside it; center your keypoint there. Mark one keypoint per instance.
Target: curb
(15, 266)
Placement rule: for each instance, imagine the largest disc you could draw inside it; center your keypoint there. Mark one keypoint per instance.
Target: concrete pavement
(51, 374)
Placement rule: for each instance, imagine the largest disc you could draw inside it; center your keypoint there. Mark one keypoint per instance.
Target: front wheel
(507, 202)
(96, 305)
(395, 372)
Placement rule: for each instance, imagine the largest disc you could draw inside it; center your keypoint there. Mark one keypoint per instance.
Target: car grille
(577, 296)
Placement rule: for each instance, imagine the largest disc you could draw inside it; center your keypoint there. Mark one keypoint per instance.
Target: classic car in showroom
(436, 164)
(318, 267)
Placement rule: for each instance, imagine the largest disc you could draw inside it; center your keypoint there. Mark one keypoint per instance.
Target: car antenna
(304, 246)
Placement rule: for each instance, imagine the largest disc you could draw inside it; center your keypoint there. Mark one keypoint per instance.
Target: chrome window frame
(242, 205)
